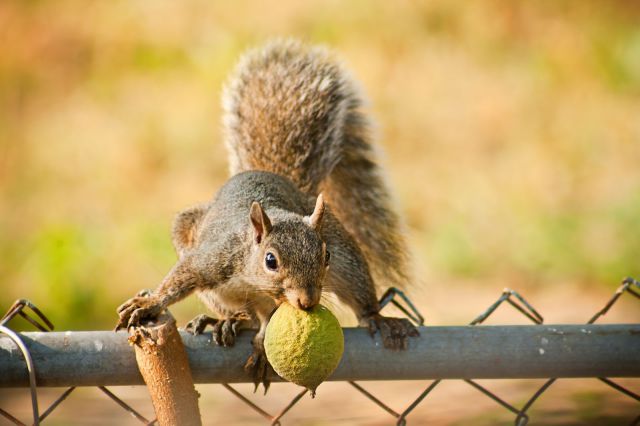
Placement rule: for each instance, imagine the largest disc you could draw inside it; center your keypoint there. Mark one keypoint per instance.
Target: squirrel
(306, 209)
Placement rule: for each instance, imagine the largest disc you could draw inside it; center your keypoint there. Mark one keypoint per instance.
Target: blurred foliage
(511, 130)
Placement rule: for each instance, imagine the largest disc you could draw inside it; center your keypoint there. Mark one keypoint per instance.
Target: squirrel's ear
(260, 222)
(185, 226)
(316, 217)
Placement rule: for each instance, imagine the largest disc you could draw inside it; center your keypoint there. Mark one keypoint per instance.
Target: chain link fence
(37, 319)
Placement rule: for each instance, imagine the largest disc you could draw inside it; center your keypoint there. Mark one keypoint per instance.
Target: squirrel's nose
(305, 300)
(304, 304)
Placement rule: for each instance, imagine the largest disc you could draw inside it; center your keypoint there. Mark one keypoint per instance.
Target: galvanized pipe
(101, 358)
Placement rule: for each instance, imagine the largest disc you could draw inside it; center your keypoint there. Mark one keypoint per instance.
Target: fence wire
(394, 297)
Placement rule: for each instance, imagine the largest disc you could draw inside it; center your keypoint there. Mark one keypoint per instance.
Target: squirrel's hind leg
(350, 279)
(257, 364)
(394, 332)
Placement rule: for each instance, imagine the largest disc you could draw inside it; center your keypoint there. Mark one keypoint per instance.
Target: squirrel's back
(292, 110)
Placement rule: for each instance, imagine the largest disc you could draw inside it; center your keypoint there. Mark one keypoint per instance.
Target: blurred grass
(511, 130)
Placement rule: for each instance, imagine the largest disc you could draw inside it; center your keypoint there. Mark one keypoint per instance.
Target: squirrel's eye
(271, 261)
(327, 257)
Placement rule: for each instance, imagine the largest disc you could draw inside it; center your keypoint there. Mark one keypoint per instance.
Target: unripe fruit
(304, 347)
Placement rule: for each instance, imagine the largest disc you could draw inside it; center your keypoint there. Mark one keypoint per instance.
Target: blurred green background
(511, 132)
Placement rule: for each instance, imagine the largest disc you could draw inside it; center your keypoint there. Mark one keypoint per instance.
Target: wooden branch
(163, 363)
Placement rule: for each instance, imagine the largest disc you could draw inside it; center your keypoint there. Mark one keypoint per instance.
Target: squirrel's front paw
(395, 332)
(137, 309)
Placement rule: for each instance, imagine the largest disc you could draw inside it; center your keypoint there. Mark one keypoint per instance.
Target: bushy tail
(291, 110)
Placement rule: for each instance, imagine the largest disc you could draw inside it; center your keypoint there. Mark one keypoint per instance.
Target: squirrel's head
(289, 255)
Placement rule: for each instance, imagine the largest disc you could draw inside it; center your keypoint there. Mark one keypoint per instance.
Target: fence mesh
(37, 319)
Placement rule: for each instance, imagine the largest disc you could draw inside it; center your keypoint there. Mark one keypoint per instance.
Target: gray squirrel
(306, 209)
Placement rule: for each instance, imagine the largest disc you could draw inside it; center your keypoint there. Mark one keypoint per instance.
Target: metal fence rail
(105, 358)
(99, 359)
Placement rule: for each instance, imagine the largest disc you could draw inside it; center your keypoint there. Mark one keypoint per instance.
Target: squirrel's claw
(259, 369)
(228, 330)
(198, 324)
(216, 333)
(136, 309)
(395, 332)
(224, 331)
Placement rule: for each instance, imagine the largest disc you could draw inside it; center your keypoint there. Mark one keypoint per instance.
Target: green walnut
(304, 347)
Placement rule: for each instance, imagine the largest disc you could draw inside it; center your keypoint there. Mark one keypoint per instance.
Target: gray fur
(293, 127)
(292, 110)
